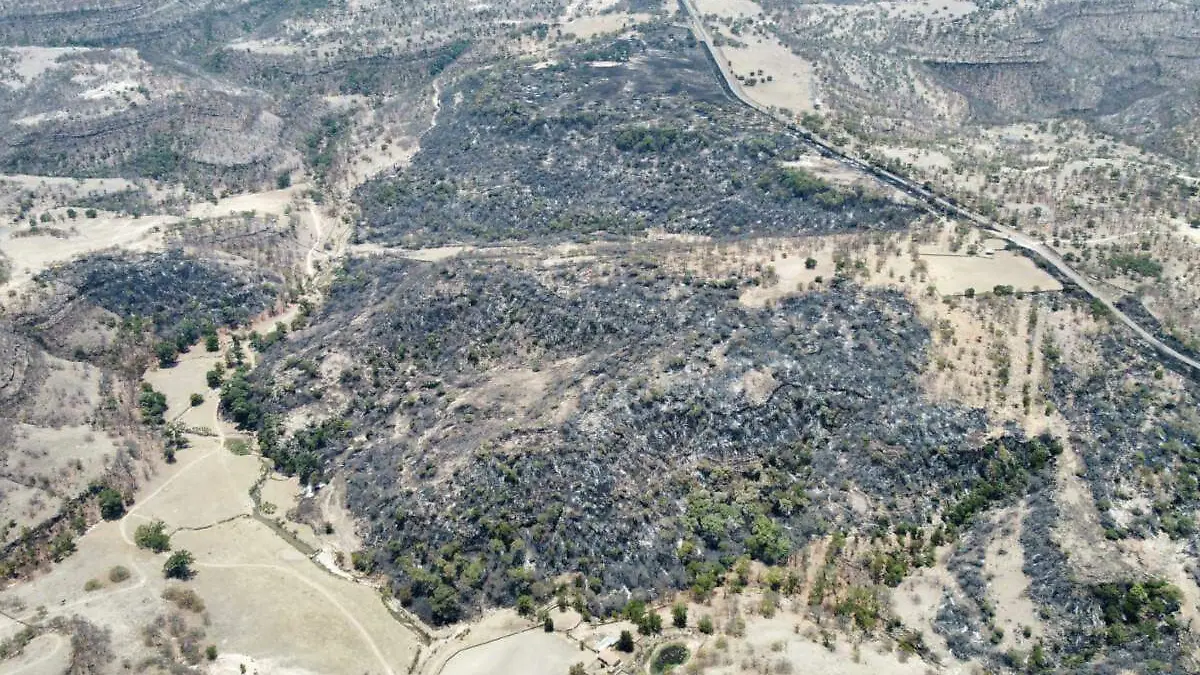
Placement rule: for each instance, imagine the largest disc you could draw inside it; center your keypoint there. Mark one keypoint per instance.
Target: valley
(637, 337)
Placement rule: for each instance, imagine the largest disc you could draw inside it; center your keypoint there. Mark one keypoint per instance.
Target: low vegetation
(152, 536)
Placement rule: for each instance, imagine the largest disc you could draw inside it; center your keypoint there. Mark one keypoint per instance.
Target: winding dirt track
(59, 644)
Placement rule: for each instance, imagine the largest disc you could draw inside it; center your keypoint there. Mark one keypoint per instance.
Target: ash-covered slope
(615, 137)
(217, 96)
(489, 417)
(1130, 66)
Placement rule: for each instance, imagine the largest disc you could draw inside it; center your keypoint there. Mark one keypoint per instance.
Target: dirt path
(328, 597)
(59, 643)
(362, 631)
(132, 513)
(319, 232)
(437, 105)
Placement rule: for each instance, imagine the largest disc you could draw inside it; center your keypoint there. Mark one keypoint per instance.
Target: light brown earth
(1008, 587)
(533, 652)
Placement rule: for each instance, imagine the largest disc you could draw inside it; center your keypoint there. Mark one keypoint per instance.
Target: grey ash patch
(168, 288)
(658, 442)
(616, 138)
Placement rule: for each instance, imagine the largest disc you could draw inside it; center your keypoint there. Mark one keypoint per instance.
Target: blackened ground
(660, 444)
(614, 138)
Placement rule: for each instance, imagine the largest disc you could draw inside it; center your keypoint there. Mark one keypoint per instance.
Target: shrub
(153, 405)
(214, 377)
(679, 615)
(862, 606)
(196, 399)
(153, 536)
(184, 598)
(62, 546)
(118, 574)
(179, 566)
(525, 605)
(92, 585)
(112, 504)
(705, 625)
(651, 624)
(210, 652)
(1140, 265)
(1149, 605)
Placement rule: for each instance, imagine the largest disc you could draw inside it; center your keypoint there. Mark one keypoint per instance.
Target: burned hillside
(614, 137)
(649, 410)
(1141, 433)
(172, 295)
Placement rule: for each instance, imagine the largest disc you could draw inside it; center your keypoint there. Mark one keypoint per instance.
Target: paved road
(930, 198)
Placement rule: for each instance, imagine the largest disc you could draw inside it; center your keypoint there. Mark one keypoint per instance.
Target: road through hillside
(932, 199)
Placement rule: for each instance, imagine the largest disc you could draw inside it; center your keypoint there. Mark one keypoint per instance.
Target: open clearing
(1007, 584)
(33, 254)
(179, 382)
(954, 274)
(46, 655)
(275, 202)
(533, 652)
(790, 83)
(755, 58)
(278, 605)
(221, 472)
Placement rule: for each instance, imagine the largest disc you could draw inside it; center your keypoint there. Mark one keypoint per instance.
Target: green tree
(705, 625)
(179, 565)
(768, 542)
(153, 536)
(215, 376)
(211, 342)
(625, 642)
(196, 399)
(112, 504)
(153, 405)
(548, 624)
(651, 624)
(444, 605)
(525, 605)
(810, 263)
(166, 352)
(679, 615)
(635, 610)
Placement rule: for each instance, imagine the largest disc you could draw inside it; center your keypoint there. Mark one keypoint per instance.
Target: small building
(611, 658)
